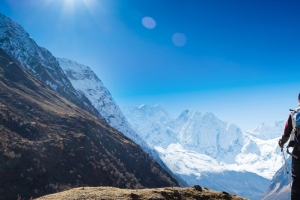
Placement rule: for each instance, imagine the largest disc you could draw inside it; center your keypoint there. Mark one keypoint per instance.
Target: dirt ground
(111, 193)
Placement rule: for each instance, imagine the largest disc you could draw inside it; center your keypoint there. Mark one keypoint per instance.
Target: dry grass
(111, 193)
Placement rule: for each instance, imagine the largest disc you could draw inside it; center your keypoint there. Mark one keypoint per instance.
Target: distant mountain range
(197, 145)
(203, 133)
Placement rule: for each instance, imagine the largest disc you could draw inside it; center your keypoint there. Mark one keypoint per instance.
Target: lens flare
(179, 39)
(149, 22)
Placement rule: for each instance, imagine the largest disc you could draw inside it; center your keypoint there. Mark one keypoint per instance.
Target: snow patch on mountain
(145, 115)
(200, 169)
(187, 162)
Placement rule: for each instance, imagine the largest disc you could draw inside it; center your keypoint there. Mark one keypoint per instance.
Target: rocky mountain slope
(17, 43)
(48, 144)
(280, 185)
(110, 193)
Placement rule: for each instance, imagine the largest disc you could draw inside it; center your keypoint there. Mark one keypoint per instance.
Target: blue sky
(238, 59)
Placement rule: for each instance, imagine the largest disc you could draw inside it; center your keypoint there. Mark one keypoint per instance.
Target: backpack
(295, 135)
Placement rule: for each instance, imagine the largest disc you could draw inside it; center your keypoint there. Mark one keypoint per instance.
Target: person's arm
(287, 132)
(288, 127)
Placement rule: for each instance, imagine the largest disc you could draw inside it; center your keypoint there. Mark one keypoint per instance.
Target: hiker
(288, 130)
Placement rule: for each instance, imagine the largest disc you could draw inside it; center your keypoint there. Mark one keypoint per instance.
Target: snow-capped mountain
(206, 134)
(197, 144)
(153, 119)
(259, 156)
(200, 132)
(85, 81)
(16, 41)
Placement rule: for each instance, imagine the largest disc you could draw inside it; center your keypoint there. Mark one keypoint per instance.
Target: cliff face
(48, 144)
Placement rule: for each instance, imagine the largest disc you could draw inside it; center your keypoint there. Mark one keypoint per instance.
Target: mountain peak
(144, 106)
(159, 106)
(7, 23)
(265, 131)
(209, 115)
(77, 71)
(186, 114)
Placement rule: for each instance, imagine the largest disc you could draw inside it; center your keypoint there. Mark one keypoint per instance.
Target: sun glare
(71, 1)
(69, 5)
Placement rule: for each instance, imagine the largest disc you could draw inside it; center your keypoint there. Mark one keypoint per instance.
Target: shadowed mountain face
(48, 144)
